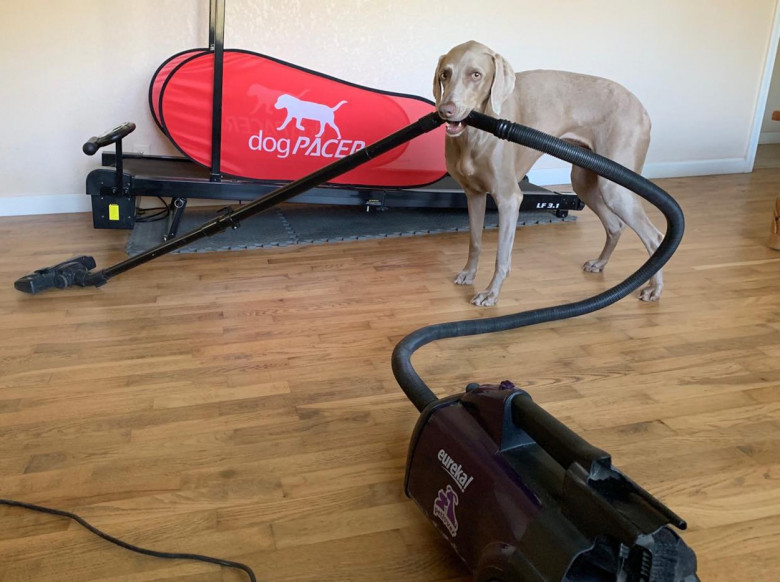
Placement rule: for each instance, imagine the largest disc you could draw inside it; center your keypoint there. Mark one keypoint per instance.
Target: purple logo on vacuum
(444, 509)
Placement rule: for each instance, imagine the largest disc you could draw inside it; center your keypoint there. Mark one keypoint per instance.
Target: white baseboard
(44, 204)
(697, 168)
(769, 137)
(64, 204)
(551, 176)
(68, 203)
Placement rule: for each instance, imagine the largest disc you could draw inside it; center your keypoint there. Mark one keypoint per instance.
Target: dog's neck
(471, 145)
(466, 155)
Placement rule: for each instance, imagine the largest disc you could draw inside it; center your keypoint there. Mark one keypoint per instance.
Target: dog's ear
(503, 83)
(437, 81)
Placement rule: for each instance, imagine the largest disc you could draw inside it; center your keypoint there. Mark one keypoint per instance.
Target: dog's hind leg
(335, 127)
(633, 214)
(616, 207)
(476, 205)
(585, 185)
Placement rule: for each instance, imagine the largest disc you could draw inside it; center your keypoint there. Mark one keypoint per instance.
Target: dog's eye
(476, 75)
(444, 75)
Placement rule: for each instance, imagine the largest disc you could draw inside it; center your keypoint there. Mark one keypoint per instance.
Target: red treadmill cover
(281, 122)
(162, 74)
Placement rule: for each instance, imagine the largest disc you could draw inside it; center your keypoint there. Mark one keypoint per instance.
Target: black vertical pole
(119, 178)
(212, 24)
(217, 44)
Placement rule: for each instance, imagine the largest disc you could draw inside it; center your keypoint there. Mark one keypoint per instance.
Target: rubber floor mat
(301, 224)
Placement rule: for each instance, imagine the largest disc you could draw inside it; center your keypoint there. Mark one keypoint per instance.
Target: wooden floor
(242, 404)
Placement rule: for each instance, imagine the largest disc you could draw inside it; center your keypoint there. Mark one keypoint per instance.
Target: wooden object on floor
(242, 404)
(776, 116)
(774, 235)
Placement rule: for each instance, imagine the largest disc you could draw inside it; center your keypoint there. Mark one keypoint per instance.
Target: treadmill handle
(115, 135)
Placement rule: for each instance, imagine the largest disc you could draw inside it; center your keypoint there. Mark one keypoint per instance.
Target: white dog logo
(299, 110)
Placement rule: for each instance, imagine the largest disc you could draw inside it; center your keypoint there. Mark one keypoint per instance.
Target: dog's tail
(337, 106)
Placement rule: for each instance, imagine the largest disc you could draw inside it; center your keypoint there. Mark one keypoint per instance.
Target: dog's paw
(485, 299)
(464, 278)
(651, 293)
(594, 266)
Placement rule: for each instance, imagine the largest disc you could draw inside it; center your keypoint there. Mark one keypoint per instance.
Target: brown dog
(589, 111)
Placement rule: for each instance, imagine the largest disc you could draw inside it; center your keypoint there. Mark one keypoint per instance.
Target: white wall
(770, 130)
(74, 68)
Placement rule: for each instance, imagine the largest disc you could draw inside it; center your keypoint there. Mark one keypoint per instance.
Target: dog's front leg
(508, 208)
(476, 205)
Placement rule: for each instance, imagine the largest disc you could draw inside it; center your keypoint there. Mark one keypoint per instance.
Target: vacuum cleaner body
(520, 497)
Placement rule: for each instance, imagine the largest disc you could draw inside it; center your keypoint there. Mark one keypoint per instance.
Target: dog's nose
(447, 110)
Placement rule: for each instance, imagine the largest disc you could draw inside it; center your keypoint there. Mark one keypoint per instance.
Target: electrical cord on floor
(160, 212)
(167, 555)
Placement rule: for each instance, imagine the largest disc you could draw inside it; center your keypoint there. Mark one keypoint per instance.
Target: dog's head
(471, 77)
(283, 101)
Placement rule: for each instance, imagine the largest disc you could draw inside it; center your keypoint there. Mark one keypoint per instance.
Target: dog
(592, 112)
(298, 110)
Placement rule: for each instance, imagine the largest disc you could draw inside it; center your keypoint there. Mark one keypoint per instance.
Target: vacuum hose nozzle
(75, 271)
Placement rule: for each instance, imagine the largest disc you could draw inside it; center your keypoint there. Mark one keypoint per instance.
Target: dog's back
(576, 107)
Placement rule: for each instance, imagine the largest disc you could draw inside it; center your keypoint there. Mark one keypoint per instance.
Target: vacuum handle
(558, 440)
(94, 143)
(584, 463)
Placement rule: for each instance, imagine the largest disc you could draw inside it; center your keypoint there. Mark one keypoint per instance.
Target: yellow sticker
(113, 211)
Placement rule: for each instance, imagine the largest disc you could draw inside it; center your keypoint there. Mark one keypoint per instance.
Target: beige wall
(74, 68)
(770, 130)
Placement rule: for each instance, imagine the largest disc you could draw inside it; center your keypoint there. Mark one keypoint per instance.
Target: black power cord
(154, 214)
(167, 555)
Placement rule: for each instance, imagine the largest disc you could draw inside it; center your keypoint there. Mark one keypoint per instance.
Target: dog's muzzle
(455, 128)
(449, 113)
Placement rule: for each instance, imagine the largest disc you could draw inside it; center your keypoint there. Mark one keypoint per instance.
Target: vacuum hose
(411, 383)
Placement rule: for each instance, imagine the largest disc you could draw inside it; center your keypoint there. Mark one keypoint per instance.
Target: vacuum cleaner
(517, 494)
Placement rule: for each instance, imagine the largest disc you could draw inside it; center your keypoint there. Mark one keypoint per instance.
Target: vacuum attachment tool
(522, 498)
(75, 271)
